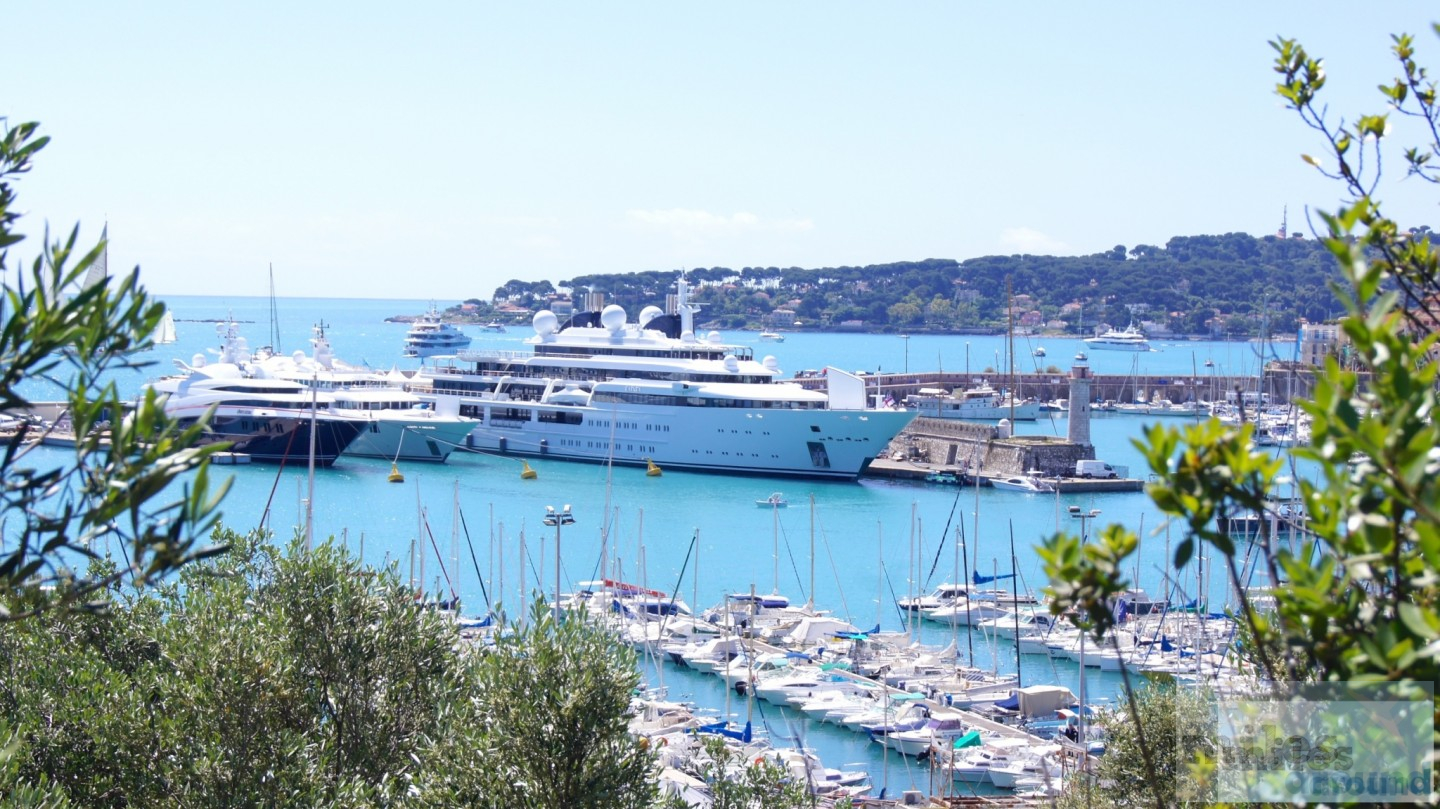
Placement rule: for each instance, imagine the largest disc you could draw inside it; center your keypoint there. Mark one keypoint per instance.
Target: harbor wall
(983, 449)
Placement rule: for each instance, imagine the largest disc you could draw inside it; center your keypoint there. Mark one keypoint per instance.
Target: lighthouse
(1080, 402)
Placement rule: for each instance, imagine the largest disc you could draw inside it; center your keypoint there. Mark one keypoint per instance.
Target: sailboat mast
(274, 314)
(811, 600)
(1010, 344)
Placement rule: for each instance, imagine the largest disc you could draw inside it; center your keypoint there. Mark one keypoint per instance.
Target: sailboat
(165, 332)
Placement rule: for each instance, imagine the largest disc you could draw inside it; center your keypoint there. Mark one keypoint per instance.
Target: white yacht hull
(410, 439)
(797, 443)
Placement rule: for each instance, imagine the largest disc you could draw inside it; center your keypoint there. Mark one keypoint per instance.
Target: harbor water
(852, 548)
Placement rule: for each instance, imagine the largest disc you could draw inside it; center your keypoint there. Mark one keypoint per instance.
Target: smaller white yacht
(1129, 338)
(429, 336)
(1030, 484)
(771, 337)
(981, 403)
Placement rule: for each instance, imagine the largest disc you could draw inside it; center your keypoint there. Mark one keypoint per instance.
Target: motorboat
(270, 420)
(430, 336)
(941, 476)
(1040, 351)
(493, 327)
(1031, 484)
(398, 426)
(1129, 338)
(936, 734)
(601, 388)
(775, 500)
(771, 337)
(964, 612)
(981, 403)
(806, 769)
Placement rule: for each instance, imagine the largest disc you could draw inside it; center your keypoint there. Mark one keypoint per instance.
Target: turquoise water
(873, 540)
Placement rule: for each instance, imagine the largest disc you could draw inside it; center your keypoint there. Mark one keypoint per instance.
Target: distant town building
(1321, 340)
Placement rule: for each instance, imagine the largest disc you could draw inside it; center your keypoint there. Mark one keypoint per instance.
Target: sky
(439, 149)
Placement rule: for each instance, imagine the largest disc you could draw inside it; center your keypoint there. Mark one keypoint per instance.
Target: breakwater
(1279, 385)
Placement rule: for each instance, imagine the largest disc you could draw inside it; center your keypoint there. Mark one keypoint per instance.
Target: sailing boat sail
(165, 332)
(101, 268)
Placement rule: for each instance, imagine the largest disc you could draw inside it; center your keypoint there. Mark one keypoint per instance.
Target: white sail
(165, 332)
(100, 268)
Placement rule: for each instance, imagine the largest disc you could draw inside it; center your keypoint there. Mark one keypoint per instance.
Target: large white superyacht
(600, 388)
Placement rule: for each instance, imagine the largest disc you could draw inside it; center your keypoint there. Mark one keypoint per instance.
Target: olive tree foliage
(258, 678)
(1174, 717)
(552, 700)
(1360, 600)
(72, 339)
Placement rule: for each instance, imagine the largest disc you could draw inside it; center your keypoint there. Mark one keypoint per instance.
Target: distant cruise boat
(772, 337)
(429, 336)
(1127, 339)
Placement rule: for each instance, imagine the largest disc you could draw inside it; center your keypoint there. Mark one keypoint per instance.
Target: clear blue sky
(438, 149)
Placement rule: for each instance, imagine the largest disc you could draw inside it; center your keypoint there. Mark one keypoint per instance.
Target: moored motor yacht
(1030, 484)
(398, 425)
(980, 403)
(600, 388)
(270, 420)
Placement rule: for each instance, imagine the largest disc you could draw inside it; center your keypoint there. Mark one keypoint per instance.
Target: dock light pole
(906, 338)
(558, 519)
(1083, 517)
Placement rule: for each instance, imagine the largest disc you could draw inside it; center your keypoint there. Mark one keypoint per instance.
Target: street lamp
(557, 519)
(906, 338)
(1083, 517)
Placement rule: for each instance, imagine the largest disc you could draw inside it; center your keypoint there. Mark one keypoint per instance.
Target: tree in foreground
(553, 696)
(264, 677)
(70, 336)
(1360, 601)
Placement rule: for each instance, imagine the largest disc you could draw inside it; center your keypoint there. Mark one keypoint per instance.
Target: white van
(1095, 469)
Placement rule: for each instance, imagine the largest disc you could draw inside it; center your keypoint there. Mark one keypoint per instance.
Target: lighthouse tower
(1080, 401)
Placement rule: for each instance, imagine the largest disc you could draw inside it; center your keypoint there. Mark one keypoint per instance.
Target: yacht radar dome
(544, 322)
(612, 317)
(770, 363)
(649, 313)
(732, 364)
(712, 337)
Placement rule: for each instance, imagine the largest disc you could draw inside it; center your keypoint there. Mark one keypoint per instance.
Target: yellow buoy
(651, 469)
(395, 476)
(527, 473)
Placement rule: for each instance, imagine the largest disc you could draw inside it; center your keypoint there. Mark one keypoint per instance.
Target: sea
(859, 545)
